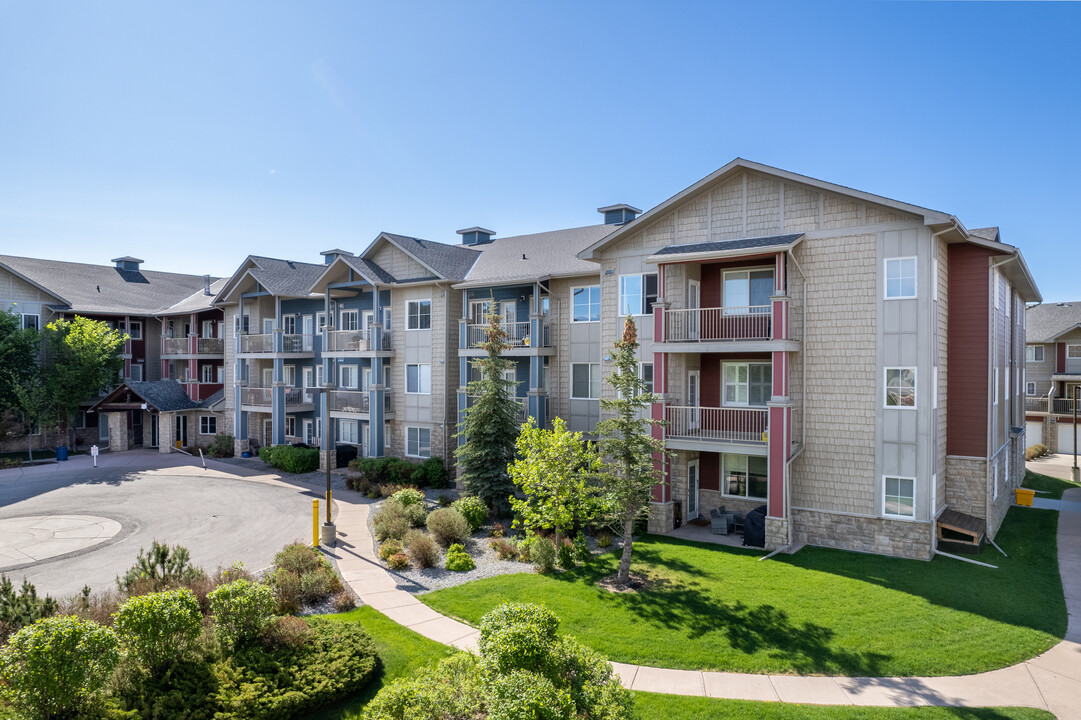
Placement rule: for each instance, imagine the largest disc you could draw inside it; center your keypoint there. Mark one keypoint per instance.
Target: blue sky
(193, 134)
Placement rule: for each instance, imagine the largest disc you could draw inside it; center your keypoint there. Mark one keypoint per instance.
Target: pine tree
(489, 429)
(627, 445)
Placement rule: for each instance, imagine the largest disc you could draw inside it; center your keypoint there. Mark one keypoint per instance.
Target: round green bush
(458, 559)
(473, 509)
(517, 636)
(521, 694)
(398, 561)
(57, 667)
(409, 496)
(447, 526)
(158, 628)
(241, 609)
(389, 547)
(450, 689)
(391, 520)
(423, 551)
(417, 514)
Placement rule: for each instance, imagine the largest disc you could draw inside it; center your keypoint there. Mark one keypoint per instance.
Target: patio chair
(737, 521)
(720, 522)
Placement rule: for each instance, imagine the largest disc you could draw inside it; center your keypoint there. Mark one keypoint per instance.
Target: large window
(418, 442)
(900, 278)
(747, 291)
(208, 425)
(1034, 353)
(586, 304)
(637, 293)
(348, 376)
(748, 384)
(418, 379)
(349, 432)
(1073, 352)
(746, 476)
(419, 315)
(901, 387)
(899, 497)
(291, 425)
(1030, 388)
(585, 381)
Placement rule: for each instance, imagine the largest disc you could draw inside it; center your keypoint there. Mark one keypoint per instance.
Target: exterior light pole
(329, 534)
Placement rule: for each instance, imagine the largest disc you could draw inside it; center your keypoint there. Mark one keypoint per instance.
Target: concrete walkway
(1051, 681)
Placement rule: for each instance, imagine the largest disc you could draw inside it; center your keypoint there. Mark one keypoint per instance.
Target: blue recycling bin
(61, 452)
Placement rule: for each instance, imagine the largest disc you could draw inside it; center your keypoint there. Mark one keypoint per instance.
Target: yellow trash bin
(1024, 497)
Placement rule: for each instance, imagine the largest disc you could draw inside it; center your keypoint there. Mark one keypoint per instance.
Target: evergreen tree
(489, 428)
(627, 445)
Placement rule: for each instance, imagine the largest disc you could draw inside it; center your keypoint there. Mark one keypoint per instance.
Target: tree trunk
(625, 561)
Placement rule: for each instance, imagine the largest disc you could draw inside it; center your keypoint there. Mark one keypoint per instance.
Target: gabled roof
(286, 278)
(104, 289)
(987, 233)
(160, 395)
(197, 301)
(368, 271)
(446, 262)
(528, 258)
(1048, 322)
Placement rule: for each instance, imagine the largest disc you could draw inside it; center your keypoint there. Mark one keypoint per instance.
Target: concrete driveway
(67, 525)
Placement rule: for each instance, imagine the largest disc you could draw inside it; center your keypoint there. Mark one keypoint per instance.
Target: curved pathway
(1051, 681)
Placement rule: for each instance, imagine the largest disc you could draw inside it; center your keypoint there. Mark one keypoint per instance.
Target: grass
(671, 707)
(1050, 487)
(819, 611)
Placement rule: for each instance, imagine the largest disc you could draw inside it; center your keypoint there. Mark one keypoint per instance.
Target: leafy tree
(627, 444)
(557, 472)
(18, 356)
(490, 427)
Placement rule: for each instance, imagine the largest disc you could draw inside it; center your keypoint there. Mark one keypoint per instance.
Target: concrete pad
(809, 690)
(390, 599)
(1061, 694)
(626, 673)
(45, 549)
(671, 682)
(889, 692)
(444, 630)
(1009, 686)
(738, 686)
(1064, 659)
(369, 584)
(410, 615)
(469, 643)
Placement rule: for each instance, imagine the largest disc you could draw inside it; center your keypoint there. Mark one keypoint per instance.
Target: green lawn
(816, 612)
(1052, 487)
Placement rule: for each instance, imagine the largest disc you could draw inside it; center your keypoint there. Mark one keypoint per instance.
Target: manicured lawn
(816, 612)
(669, 707)
(1052, 487)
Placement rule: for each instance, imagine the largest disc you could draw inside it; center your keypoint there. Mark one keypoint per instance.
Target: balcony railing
(518, 335)
(353, 401)
(354, 340)
(718, 324)
(183, 346)
(1062, 406)
(263, 397)
(1036, 404)
(737, 425)
(291, 343)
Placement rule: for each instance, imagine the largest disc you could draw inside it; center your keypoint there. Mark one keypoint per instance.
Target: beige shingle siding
(942, 321)
(763, 205)
(398, 264)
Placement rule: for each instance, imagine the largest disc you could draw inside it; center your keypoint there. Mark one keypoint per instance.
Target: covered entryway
(163, 406)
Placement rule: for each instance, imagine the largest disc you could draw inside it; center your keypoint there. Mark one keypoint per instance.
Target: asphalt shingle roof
(165, 395)
(286, 277)
(197, 301)
(987, 233)
(104, 289)
(1043, 323)
(738, 244)
(530, 257)
(368, 268)
(452, 262)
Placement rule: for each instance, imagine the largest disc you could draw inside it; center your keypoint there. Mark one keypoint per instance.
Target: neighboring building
(1052, 374)
(850, 361)
(123, 295)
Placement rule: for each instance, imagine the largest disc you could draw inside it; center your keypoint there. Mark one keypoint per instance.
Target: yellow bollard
(315, 523)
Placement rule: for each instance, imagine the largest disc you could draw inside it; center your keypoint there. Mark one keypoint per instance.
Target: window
(347, 375)
(901, 387)
(80, 420)
(645, 371)
(418, 442)
(419, 315)
(319, 428)
(1030, 388)
(900, 278)
(320, 321)
(934, 388)
(747, 291)
(289, 324)
(586, 304)
(418, 379)
(748, 384)
(290, 426)
(290, 375)
(995, 380)
(386, 434)
(135, 330)
(350, 320)
(136, 372)
(31, 322)
(637, 293)
(349, 432)
(899, 497)
(1073, 351)
(1034, 353)
(746, 476)
(208, 425)
(585, 381)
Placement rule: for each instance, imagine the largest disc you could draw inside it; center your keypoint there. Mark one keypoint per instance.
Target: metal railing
(715, 324)
(1037, 404)
(291, 343)
(354, 340)
(185, 346)
(518, 335)
(739, 425)
(1062, 406)
(353, 401)
(295, 343)
(263, 396)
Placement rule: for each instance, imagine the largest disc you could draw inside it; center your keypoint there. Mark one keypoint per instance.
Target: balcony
(722, 324)
(193, 346)
(1063, 406)
(353, 401)
(296, 399)
(518, 335)
(264, 344)
(346, 341)
(743, 426)
(1057, 406)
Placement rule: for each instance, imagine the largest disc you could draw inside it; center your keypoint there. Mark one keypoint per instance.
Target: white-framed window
(994, 286)
(645, 372)
(135, 330)
(1030, 388)
(585, 381)
(1034, 353)
(747, 291)
(995, 381)
(418, 442)
(637, 293)
(349, 432)
(747, 384)
(289, 324)
(290, 375)
(207, 373)
(386, 434)
(319, 428)
(418, 379)
(347, 376)
(899, 497)
(746, 476)
(586, 304)
(386, 375)
(320, 321)
(208, 425)
(900, 387)
(418, 315)
(934, 278)
(291, 425)
(900, 278)
(1073, 351)
(31, 321)
(350, 320)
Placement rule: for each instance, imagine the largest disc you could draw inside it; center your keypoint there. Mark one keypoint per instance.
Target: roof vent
(476, 236)
(618, 214)
(127, 263)
(330, 256)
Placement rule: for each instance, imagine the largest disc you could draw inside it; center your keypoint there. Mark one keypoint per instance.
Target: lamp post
(329, 533)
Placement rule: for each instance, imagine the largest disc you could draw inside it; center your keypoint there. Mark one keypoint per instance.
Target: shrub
(161, 568)
(447, 690)
(389, 547)
(525, 551)
(543, 553)
(158, 628)
(443, 500)
(299, 558)
(519, 694)
(458, 559)
(358, 482)
(391, 520)
(223, 446)
(398, 561)
(504, 549)
(581, 549)
(314, 586)
(431, 473)
(286, 592)
(604, 539)
(417, 514)
(498, 530)
(447, 526)
(57, 667)
(291, 459)
(473, 509)
(566, 554)
(20, 609)
(409, 496)
(301, 575)
(1034, 451)
(286, 632)
(374, 493)
(422, 549)
(241, 609)
(344, 600)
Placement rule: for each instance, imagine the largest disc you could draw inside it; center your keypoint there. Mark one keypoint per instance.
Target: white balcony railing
(263, 397)
(291, 343)
(1062, 406)
(184, 346)
(353, 401)
(354, 340)
(718, 324)
(737, 425)
(518, 335)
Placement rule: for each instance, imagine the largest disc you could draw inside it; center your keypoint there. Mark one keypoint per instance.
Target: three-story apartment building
(1052, 374)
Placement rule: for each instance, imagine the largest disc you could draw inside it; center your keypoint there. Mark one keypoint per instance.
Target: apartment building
(1052, 374)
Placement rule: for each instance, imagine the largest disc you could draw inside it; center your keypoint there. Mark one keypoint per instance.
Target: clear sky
(192, 134)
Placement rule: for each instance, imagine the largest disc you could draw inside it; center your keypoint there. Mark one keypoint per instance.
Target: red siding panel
(967, 351)
(709, 471)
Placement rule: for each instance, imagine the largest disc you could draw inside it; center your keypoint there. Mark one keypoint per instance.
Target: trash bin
(245, 454)
(61, 452)
(1024, 497)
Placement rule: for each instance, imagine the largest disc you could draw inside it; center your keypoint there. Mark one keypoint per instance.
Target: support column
(240, 381)
(376, 406)
(118, 431)
(277, 393)
(537, 392)
(661, 493)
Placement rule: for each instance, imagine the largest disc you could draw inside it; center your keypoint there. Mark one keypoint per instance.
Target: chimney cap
(476, 229)
(620, 206)
(336, 251)
(126, 259)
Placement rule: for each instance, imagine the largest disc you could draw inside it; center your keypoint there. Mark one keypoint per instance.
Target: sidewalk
(1051, 681)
